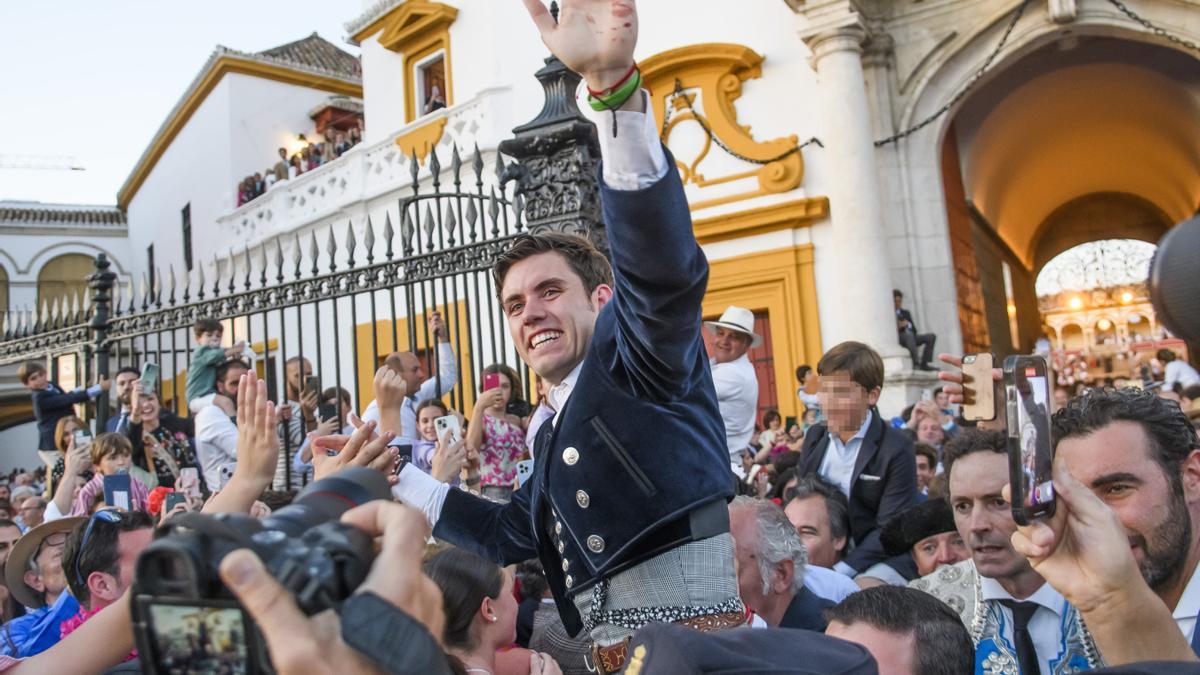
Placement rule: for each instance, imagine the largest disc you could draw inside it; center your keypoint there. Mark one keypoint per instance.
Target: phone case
(977, 374)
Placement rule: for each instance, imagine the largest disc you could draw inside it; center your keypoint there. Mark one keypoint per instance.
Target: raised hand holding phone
(1030, 449)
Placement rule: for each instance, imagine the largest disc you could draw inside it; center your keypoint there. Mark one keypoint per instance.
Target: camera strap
(390, 638)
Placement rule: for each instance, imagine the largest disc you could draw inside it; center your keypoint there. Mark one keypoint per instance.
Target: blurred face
(411, 371)
(983, 515)
(129, 546)
(8, 537)
(50, 577)
(844, 402)
(925, 472)
(729, 345)
(775, 424)
(229, 385)
(4, 492)
(37, 380)
(69, 429)
(32, 512)
(211, 338)
(124, 385)
(296, 376)
(505, 387)
(898, 300)
(1117, 464)
(942, 399)
(112, 463)
(895, 654)
(810, 516)
(150, 406)
(946, 548)
(929, 431)
(1061, 398)
(425, 420)
(550, 316)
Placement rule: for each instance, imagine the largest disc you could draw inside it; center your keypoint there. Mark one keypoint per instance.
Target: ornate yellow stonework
(415, 29)
(711, 76)
(422, 139)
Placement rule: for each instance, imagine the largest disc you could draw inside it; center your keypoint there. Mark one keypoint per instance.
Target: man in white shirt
(1176, 370)
(1021, 622)
(1141, 456)
(408, 366)
(733, 376)
(216, 433)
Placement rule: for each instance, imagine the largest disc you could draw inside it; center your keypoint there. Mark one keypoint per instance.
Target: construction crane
(48, 162)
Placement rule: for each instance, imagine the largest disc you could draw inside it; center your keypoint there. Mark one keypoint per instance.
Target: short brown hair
(857, 360)
(108, 444)
(585, 260)
(29, 369)
(207, 325)
(61, 426)
(926, 451)
(971, 441)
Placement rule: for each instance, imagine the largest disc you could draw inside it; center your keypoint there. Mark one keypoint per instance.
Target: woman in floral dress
(497, 437)
(162, 444)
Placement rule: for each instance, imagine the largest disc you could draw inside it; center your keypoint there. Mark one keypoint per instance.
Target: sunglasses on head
(110, 516)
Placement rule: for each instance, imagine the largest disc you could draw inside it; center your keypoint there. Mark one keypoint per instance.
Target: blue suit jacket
(642, 421)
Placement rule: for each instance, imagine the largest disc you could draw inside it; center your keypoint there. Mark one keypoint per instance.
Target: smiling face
(925, 472)
(983, 515)
(1117, 464)
(149, 405)
(810, 516)
(425, 425)
(729, 345)
(930, 432)
(551, 317)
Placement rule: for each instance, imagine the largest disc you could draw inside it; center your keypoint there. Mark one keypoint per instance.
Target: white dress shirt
(216, 443)
(1189, 606)
(1045, 628)
(447, 368)
(829, 584)
(737, 396)
(838, 465)
(1181, 372)
(633, 160)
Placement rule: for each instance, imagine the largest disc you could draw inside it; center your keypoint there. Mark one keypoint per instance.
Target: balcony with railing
(344, 187)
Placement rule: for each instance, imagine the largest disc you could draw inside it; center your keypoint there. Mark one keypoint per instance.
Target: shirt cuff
(634, 158)
(422, 491)
(94, 391)
(842, 567)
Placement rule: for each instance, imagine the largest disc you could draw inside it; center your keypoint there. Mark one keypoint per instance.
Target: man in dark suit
(872, 463)
(50, 402)
(910, 338)
(623, 540)
(124, 380)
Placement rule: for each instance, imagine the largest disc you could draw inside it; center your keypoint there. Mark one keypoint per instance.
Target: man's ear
(103, 586)
(601, 295)
(784, 573)
(34, 581)
(873, 396)
(1189, 469)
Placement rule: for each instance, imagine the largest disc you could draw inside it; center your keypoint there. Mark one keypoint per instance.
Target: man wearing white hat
(733, 376)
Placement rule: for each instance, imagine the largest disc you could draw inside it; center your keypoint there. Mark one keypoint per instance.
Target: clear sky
(94, 79)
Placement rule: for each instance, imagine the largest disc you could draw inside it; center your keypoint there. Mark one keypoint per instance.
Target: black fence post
(557, 155)
(101, 283)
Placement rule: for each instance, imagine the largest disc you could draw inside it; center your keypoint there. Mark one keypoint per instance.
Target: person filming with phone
(495, 435)
(417, 387)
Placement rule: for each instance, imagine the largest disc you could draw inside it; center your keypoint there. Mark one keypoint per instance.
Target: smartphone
(189, 481)
(174, 499)
(524, 472)
(1030, 450)
(404, 450)
(197, 636)
(327, 411)
(491, 381)
(117, 490)
(448, 424)
(977, 375)
(224, 473)
(149, 376)
(312, 384)
(83, 438)
(926, 394)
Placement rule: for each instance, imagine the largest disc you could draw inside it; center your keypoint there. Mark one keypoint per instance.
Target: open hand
(258, 442)
(362, 448)
(955, 388)
(448, 460)
(492, 398)
(594, 38)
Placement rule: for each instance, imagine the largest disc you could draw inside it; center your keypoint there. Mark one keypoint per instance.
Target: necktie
(1026, 655)
(1196, 638)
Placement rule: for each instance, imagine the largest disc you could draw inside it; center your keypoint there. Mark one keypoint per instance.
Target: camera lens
(327, 499)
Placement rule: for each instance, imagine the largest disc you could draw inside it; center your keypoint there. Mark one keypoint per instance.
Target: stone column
(864, 309)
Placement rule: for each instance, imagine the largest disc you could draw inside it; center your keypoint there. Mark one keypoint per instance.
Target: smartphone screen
(208, 638)
(116, 491)
(149, 376)
(83, 438)
(189, 481)
(491, 381)
(1030, 449)
(977, 378)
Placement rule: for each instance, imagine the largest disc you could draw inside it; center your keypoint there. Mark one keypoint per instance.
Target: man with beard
(1018, 621)
(1139, 454)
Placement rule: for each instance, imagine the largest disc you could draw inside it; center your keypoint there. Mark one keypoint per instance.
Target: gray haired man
(771, 562)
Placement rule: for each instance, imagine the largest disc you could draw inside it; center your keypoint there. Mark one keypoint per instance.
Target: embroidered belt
(612, 659)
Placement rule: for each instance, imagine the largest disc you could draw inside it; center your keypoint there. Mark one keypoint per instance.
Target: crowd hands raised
(894, 535)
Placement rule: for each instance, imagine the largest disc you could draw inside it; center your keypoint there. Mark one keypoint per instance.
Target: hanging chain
(970, 83)
(679, 92)
(1157, 30)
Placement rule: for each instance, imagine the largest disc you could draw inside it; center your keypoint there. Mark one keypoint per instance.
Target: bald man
(408, 366)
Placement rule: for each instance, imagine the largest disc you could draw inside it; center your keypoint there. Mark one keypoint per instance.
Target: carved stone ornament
(1063, 11)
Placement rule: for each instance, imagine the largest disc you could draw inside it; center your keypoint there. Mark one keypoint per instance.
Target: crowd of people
(639, 515)
(337, 142)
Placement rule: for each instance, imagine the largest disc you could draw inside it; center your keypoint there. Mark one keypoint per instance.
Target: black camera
(187, 622)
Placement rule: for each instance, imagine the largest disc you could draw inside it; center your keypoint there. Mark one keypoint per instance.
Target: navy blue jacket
(886, 459)
(639, 447)
(50, 405)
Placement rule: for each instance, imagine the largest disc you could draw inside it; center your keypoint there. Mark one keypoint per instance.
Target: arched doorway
(64, 278)
(1045, 156)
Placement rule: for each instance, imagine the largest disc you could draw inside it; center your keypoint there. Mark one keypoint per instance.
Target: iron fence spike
(477, 164)
(407, 230)
(435, 167)
(314, 252)
(249, 266)
(388, 233)
(456, 165)
(351, 244)
(171, 283)
(262, 278)
(414, 168)
(369, 241)
(232, 272)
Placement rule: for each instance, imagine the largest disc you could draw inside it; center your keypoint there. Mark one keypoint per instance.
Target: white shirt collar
(1189, 602)
(862, 431)
(557, 395)
(1046, 596)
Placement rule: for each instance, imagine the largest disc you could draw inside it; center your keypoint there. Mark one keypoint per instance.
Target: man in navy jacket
(626, 508)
